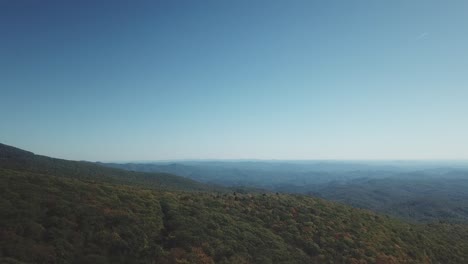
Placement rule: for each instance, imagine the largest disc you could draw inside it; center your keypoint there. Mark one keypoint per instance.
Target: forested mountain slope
(53, 219)
(17, 159)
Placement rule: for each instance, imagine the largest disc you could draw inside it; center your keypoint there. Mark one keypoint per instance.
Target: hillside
(54, 219)
(16, 159)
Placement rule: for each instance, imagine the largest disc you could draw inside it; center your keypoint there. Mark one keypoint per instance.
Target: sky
(163, 80)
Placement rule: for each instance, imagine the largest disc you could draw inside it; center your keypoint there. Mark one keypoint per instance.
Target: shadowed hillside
(16, 159)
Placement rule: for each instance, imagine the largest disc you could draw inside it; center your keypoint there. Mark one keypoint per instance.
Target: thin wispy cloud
(423, 35)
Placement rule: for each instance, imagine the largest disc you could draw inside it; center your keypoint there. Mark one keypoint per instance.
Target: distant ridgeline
(420, 192)
(58, 211)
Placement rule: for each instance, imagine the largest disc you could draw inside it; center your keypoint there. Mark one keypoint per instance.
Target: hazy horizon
(264, 80)
(435, 162)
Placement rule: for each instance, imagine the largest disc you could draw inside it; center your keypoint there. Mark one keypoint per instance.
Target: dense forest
(49, 218)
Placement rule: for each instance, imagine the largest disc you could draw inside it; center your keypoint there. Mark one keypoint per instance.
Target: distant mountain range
(415, 191)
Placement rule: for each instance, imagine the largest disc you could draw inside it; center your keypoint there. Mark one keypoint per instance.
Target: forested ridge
(54, 219)
(17, 159)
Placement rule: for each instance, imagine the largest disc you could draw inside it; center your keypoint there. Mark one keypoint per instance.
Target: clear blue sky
(150, 80)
